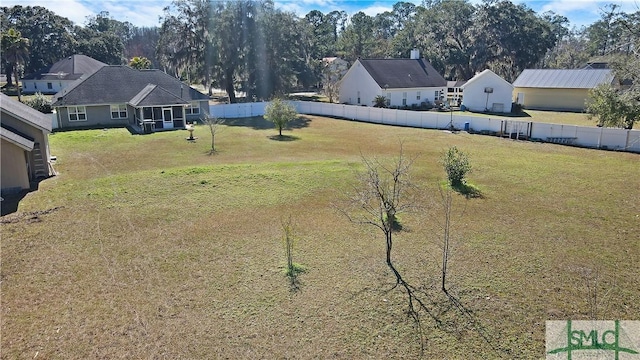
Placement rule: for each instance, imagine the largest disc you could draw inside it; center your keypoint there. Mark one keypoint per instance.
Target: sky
(148, 12)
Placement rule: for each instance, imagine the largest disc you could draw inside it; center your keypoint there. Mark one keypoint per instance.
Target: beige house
(24, 145)
(557, 89)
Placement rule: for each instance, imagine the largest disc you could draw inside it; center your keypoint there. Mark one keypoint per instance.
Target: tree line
(253, 47)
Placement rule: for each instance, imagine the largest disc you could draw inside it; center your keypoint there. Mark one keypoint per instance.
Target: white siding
(358, 79)
(476, 99)
(42, 86)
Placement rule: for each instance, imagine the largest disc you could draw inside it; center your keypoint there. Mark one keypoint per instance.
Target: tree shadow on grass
(469, 191)
(283, 138)
(259, 123)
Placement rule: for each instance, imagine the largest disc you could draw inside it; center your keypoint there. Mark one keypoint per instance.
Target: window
(49, 86)
(436, 95)
(404, 99)
(418, 96)
(77, 113)
(119, 111)
(192, 109)
(358, 97)
(388, 99)
(35, 85)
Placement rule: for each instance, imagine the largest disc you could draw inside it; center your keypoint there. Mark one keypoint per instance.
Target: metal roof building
(565, 79)
(558, 89)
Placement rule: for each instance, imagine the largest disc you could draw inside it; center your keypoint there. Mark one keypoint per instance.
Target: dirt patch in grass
(157, 249)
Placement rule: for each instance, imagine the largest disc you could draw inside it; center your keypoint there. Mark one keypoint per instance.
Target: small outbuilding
(24, 145)
(487, 92)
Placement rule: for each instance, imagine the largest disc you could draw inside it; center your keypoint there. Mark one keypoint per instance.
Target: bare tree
(214, 128)
(382, 193)
(445, 195)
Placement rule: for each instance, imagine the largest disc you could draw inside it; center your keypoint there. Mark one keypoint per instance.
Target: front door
(168, 119)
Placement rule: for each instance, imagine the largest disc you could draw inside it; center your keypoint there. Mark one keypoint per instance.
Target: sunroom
(157, 109)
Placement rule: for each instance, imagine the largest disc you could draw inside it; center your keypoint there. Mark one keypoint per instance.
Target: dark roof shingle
(120, 84)
(403, 73)
(70, 68)
(25, 113)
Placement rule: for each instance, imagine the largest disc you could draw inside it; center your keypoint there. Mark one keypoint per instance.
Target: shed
(487, 91)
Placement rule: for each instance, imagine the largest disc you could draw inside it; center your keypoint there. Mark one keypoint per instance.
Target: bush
(456, 164)
(40, 102)
(516, 108)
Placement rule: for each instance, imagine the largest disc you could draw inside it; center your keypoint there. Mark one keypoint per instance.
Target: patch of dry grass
(157, 249)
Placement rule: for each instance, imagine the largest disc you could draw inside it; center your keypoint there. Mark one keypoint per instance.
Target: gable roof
(567, 79)
(403, 73)
(69, 68)
(120, 84)
(486, 73)
(154, 95)
(456, 83)
(25, 113)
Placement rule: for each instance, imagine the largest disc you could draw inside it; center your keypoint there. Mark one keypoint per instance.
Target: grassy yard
(147, 247)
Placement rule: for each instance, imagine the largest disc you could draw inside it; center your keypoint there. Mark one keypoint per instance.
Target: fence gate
(514, 129)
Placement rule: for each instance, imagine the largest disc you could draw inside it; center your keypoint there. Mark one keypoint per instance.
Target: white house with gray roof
(24, 145)
(56, 77)
(117, 95)
(558, 89)
(404, 82)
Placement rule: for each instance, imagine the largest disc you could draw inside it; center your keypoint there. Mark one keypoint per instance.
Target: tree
(456, 164)
(613, 108)
(15, 49)
(51, 37)
(357, 39)
(40, 102)
(380, 101)
(280, 113)
(332, 73)
(214, 125)
(382, 193)
(140, 63)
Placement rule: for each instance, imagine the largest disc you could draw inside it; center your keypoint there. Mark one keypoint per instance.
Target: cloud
(138, 12)
(74, 10)
(376, 9)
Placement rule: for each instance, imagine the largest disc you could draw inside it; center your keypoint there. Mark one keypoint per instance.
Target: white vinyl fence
(583, 136)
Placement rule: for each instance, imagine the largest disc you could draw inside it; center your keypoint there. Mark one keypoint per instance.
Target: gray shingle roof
(25, 113)
(566, 79)
(119, 84)
(153, 95)
(15, 138)
(403, 73)
(70, 68)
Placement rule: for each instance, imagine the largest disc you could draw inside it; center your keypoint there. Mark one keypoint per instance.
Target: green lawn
(147, 247)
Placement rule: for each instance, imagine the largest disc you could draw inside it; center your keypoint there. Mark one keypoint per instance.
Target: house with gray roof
(117, 95)
(24, 145)
(403, 82)
(558, 89)
(56, 77)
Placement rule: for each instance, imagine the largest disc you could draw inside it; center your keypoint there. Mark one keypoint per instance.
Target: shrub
(40, 102)
(456, 164)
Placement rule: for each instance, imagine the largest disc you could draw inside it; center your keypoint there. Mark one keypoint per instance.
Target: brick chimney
(415, 54)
